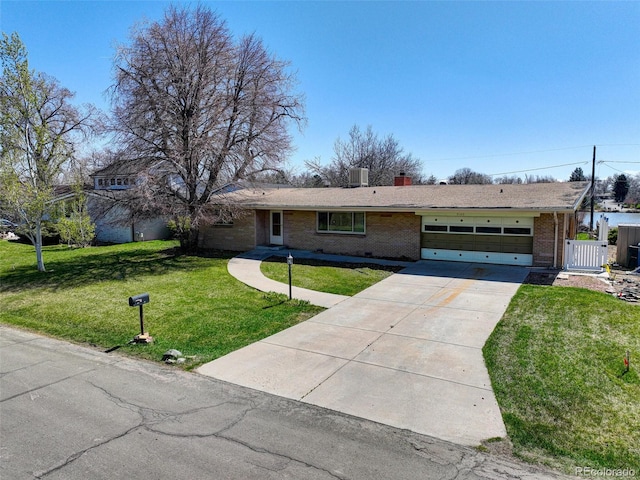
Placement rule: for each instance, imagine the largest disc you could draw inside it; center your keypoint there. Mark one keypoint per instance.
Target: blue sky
(497, 87)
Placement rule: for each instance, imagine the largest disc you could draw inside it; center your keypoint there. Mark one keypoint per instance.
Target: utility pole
(593, 188)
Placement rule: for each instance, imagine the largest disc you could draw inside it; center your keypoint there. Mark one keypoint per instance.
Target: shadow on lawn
(88, 268)
(327, 263)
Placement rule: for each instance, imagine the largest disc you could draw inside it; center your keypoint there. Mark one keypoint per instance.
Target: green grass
(344, 279)
(556, 361)
(555, 358)
(195, 306)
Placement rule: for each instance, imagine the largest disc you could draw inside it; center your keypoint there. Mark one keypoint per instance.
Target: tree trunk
(192, 240)
(38, 244)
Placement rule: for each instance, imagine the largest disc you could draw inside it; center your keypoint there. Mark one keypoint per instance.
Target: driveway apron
(405, 352)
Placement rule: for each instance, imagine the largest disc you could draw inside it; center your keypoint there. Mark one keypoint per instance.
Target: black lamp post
(289, 262)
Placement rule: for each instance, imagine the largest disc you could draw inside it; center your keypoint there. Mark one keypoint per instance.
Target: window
(341, 222)
(460, 229)
(276, 224)
(435, 228)
(517, 231)
(496, 230)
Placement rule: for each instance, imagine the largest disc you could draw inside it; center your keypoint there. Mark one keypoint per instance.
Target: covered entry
(506, 240)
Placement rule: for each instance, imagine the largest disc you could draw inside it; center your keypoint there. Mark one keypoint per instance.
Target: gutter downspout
(555, 240)
(567, 224)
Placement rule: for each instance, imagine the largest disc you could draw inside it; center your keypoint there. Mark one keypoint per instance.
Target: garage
(464, 237)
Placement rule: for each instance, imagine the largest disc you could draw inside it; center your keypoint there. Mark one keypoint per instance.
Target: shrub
(76, 229)
(179, 228)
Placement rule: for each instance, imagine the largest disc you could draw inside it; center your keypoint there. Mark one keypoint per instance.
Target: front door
(275, 235)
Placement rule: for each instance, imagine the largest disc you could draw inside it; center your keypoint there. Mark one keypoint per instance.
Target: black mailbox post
(139, 301)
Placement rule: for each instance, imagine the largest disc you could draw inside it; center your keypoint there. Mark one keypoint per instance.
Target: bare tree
(199, 111)
(514, 179)
(431, 180)
(605, 186)
(633, 195)
(383, 157)
(539, 179)
(466, 176)
(289, 177)
(39, 134)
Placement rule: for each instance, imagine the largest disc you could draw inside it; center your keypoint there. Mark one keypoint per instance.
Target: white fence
(585, 255)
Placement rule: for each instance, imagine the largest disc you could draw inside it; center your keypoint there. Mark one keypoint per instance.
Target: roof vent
(359, 177)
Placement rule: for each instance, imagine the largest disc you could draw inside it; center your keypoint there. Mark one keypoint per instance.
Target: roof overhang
(501, 211)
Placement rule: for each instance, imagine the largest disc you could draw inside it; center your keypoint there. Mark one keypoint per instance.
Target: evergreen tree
(621, 188)
(577, 175)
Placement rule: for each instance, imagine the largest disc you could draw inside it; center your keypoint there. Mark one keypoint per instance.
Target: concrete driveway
(405, 352)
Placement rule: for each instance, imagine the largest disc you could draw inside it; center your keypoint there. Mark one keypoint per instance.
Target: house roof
(565, 196)
(123, 167)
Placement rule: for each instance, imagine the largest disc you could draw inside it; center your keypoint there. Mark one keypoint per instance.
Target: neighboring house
(114, 222)
(503, 224)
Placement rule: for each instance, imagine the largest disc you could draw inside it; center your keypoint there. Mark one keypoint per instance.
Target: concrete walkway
(246, 268)
(405, 352)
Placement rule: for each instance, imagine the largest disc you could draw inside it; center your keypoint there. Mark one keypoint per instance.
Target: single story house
(510, 224)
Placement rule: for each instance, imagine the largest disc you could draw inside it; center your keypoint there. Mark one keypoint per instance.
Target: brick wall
(388, 235)
(544, 234)
(262, 227)
(239, 237)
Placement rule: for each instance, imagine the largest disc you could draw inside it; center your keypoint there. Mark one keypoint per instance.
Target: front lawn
(195, 306)
(330, 277)
(556, 361)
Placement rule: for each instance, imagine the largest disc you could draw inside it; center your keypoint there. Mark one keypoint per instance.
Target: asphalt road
(69, 412)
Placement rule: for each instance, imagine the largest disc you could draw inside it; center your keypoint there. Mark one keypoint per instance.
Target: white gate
(585, 255)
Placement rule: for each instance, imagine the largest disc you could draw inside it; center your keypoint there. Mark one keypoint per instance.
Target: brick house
(503, 224)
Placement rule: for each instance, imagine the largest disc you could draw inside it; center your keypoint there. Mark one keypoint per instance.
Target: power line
(607, 161)
(616, 169)
(473, 157)
(535, 169)
(510, 154)
(618, 145)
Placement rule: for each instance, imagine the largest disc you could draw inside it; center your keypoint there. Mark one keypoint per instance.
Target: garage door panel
(517, 240)
(489, 247)
(480, 257)
(517, 248)
(433, 240)
(503, 240)
(489, 241)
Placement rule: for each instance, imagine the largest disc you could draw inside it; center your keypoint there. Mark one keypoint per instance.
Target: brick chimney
(401, 180)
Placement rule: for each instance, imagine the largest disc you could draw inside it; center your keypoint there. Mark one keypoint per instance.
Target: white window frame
(344, 232)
